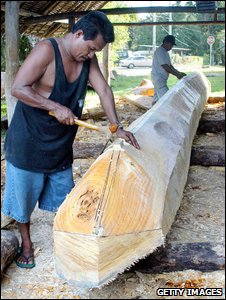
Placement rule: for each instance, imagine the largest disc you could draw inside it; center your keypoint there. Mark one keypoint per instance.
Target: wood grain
(126, 202)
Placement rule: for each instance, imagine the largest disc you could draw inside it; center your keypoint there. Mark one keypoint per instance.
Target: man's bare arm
(170, 69)
(106, 96)
(33, 68)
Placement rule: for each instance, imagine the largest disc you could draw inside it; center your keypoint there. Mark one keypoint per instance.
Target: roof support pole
(106, 51)
(12, 52)
(71, 22)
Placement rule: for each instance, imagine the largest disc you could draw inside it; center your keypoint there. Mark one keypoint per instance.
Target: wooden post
(71, 22)
(12, 50)
(106, 72)
(126, 202)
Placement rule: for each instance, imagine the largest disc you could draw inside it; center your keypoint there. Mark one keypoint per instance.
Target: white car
(135, 61)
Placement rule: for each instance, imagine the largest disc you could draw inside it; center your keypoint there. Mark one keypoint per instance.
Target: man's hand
(181, 75)
(128, 137)
(63, 114)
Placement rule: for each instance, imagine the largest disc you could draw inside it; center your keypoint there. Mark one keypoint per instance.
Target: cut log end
(94, 261)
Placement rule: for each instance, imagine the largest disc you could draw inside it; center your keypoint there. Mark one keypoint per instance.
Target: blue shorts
(23, 189)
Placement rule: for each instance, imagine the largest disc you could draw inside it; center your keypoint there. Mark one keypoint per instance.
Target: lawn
(124, 84)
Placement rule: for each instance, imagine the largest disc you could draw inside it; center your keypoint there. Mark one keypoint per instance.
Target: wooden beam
(12, 50)
(119, 11)
(170, 23)
(125, 204)
(23, 12)
(71, 22)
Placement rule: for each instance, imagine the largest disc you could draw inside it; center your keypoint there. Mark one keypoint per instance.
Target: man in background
(162, 67)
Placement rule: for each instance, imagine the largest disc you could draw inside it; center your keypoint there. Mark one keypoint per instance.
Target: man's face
(84, 50)
(168, 46)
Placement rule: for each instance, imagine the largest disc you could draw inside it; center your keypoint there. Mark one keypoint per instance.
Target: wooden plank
(125, 204)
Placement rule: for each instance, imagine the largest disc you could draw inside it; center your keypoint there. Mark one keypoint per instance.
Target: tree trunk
(126, 202)
(9, 246)
(174, 257)
(208, 155)
(212, 121)
(106, 63)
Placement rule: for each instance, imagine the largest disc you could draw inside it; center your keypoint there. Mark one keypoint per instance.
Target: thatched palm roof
(42, 8)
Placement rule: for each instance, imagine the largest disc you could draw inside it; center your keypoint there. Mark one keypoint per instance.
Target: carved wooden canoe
(125, 204)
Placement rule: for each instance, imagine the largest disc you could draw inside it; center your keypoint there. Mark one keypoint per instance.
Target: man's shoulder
(161, 49)
(44, 48)
(46, 43)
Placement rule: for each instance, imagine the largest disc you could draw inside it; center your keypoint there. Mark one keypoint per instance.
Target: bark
(86, 150)
(204, 257)
(208, 155)
(9, 246)
(212, 121)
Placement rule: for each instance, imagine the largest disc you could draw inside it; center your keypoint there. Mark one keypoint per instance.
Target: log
(208, 155)
(143, 102)
(93, 113)
(212, 121)
(86, 150)
(205, 256)
(9, 246)
(5, 220)
(125, 204)
(216, 99)
(146, 88)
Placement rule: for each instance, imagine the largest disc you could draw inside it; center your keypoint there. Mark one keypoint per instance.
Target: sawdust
(200, 218)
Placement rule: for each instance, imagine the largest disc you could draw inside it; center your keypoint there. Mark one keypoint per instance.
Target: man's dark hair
(169, 39)
(92, 24)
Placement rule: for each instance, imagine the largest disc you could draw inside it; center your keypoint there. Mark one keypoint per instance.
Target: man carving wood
(38, 146)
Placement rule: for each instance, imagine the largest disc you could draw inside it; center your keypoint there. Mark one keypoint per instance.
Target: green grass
(124, 84)
(217, 82)
(3, 108)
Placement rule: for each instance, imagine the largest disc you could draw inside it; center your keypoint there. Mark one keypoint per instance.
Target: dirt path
(200, 218)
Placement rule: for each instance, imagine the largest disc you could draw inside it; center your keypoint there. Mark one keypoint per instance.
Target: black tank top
(35, 140)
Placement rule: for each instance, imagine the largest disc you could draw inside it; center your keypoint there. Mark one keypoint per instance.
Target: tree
(193, 37)
(121, 32)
